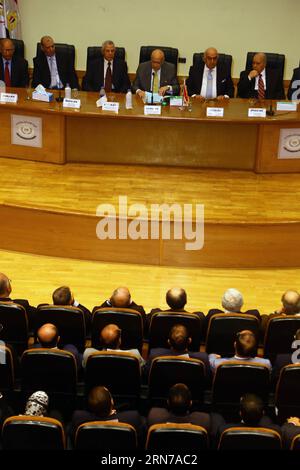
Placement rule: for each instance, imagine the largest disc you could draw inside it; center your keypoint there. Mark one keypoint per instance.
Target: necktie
(155, 83)
(209, 86)
(261, 88)
(7, 75)
(52, 72)
(108, 78)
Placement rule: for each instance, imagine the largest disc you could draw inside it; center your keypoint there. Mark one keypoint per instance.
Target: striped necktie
(261, 88)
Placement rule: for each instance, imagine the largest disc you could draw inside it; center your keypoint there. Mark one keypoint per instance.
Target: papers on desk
(101, 101)
(286, 106)
(8, 97)
(156, 98)
(40, 94)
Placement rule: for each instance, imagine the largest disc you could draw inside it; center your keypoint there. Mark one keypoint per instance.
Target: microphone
(153, 73)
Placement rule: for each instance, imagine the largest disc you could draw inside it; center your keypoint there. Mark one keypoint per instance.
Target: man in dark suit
(294, 85)
(52, 69)
(260, 82)
(107, 71)
(156, 75)
(13, 69)
(209, 80)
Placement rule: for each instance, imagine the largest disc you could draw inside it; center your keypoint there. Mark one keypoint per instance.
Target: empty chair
(13, 317)
(179, 437)
(279, 335)
(295, 444)
(287, 396)
(166, 371)
(274, 61)
(243, 438)
(94, 52)
(104, 435)
(171, 54)
(32, 433)
(225, 59)
(162, 322)
(128, 320)
(7, 374)
(222, 330)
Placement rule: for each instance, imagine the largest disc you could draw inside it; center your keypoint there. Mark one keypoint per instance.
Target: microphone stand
(59, 99)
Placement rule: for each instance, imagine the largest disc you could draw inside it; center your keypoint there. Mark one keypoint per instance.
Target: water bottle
(102, 92)
(2, 87)
(128, 100)
(68, 91)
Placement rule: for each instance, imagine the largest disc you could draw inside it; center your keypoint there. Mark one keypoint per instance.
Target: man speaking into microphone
(156, 76)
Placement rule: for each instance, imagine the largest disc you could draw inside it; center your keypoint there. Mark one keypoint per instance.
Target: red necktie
(261, 88)
(108, 78)
(7, 75)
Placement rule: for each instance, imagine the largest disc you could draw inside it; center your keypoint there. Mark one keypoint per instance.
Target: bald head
(121, 298)
(110, 337)
(259, 61)
(157, 59)
(5, 287)
(48, 46)
(210, 57)
(291, 302)
(176, 298)
(48, 335)
(7, 48)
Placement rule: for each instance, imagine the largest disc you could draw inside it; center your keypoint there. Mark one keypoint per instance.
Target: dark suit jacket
(94, 78)
(224, 81)
(167, 77)
(19, 71)
(41, 71)
(274, 86)
(162, 415)
(296, 76)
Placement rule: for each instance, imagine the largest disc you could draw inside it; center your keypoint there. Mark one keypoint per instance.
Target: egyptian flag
(12, 19)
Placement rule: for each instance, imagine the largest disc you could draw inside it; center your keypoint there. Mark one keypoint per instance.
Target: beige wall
(233, 26)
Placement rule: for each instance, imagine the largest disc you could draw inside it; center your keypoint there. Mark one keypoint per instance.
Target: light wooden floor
(229, 196)
(35, 277)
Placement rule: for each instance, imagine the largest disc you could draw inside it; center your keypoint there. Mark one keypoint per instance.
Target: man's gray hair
(107, 43)
(232, 300)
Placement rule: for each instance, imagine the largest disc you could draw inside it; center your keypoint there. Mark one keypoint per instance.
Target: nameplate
(8, 98)
(176, 101)
(152, 109)
(286, 106)
(219, 112)
(111, 106)
(257, 112)
(70, 103)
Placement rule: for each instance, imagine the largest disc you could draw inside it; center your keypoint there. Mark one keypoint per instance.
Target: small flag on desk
(185, 94)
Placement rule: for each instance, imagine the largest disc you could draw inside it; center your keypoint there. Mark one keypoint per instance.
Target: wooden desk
(176, 138)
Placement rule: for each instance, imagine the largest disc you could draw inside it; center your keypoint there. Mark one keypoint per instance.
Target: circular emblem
(292, 143)
(25, 130)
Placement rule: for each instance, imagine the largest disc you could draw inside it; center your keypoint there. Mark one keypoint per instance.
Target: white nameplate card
(111, 106)
(176, 101)
(8, 98)
(219, 112)
(70, 103)
(286, 106)
(257, 112)
(152, 109)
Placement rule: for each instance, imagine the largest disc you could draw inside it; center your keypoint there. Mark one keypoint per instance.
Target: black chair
(287, 395)
(235, 378)
(15, 325)
(171, 54)
(69, 321)
(19, 47)
(7, 374)
(223, 59)
(176, 437)
(166, 371)
(274, 61)
(118, 371)
(104, 435)
(33, 433)
(244, 438)
(279, 335)
(94, 52)
(295, 444)
(222, 330)
(162, 322)
(128, 320)
(65, 49)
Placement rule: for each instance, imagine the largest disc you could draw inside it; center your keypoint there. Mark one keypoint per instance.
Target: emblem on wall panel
(26, 130)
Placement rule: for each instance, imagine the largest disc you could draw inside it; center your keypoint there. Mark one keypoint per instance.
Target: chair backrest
(295, 444)
(287, 396)
(244, 438)
(103, 435)
(33, 433)
(66, 49)
(279, 335)
(19, 47)
(118, 371)
(51, 370)
(15, 325)
(162, 322)
(274, 61)
(7, 373)
(222, 330)
(171, 54)
(166, 371)
(235, 378)
(128, 320)
(173, 436)
(69, 321)
(223, 59)
(94, 52)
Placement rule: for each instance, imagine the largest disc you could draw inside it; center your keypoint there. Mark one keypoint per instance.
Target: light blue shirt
(215, 361)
